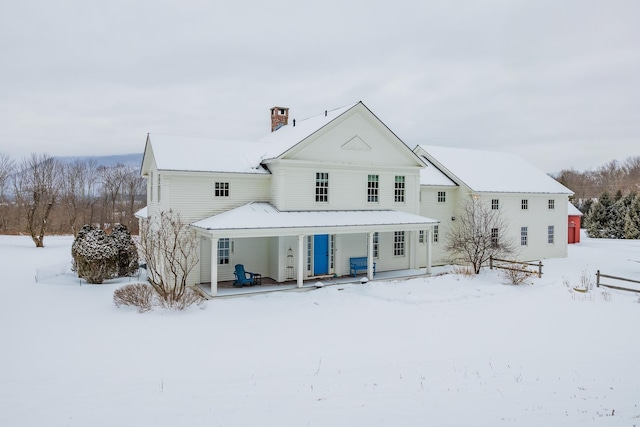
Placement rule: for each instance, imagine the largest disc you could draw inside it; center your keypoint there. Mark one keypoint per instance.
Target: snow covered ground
(441, 351)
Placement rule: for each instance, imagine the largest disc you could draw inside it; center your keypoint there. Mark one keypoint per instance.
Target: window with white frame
(436, 234)
(421, 236)
(373, 183)
(322, 187)
(375, 244)
(442, 196)
(524, 236)
(159, 188)
(494, 237)
(524, 204)
(552, 204)
(398, 243)
(550, 234)
(398, 195)
(332, 244)
(495, 204)
(221, 189)
(224, 251)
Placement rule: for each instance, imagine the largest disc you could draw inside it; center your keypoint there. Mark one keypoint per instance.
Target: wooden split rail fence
(599, 283)
(522, 263)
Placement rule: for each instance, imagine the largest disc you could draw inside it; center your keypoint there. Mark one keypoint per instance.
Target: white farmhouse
(316, 193)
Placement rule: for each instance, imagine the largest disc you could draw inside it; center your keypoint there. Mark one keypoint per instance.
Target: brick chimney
(279, 117)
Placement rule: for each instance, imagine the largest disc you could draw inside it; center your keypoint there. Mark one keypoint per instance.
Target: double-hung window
(442, 196)
(524, 236)
(494, 237)
(398, 243)
(373, 185)
(224, 251)
(495, 204)
(398, 195)
(552, 204)
(550, 234)
(524, 204)
(376, 241)
(322, 187)
(436, 234)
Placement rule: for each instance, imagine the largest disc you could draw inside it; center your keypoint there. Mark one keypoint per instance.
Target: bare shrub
(517, 274)
(478, 234)
(138, 295)
(189, 298)
(586, 281)
(464, 270)
(170, 248)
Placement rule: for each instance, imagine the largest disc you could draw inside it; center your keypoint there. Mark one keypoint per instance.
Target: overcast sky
(557, 82)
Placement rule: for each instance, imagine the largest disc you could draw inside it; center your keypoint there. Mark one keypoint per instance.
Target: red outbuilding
(574, 224)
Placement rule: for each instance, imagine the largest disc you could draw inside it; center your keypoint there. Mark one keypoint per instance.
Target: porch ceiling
(264, 220)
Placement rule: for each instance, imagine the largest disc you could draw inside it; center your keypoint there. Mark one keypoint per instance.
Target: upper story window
(524, 204)
(221, 189)
(495, 204)
(524, 236)
(436, 234)
(373, 184)
(322, 187)
(398, 243)
(224, 251)
(398, 194)
(442, 196)
(552, 204)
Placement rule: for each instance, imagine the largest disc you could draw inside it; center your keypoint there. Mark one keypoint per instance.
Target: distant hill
(133, 160)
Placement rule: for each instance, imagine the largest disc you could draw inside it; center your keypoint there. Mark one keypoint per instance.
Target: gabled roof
(573, 211)
(258, 216)
(288, 136)
(490, 171)
(431, 175)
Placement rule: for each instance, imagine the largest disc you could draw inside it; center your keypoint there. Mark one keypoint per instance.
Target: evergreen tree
(95, 257)
(632, 220)
(599, 217)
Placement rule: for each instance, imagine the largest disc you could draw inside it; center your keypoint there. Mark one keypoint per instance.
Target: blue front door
(320, 254)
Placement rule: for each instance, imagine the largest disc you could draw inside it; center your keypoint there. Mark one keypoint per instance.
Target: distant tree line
(608, 198)
(41, 194)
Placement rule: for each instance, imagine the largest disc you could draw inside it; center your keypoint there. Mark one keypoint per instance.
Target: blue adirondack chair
(243, 278)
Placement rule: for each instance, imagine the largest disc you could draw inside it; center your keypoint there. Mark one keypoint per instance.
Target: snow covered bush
(127, 250)
(136, 295)
(95, 258)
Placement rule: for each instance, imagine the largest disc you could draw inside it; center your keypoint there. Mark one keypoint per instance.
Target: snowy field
(440, 351)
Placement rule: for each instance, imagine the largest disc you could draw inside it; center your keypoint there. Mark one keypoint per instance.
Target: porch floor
(226, 288)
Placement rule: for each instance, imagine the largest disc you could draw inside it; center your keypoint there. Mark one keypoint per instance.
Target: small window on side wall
(442, 197)
(221, 189)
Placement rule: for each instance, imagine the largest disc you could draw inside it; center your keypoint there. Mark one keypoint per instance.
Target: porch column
(427, 235)
(300, 260)
(214, 266)
(370, 255)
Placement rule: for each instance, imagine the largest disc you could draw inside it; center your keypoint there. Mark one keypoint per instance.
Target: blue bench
(360, 263)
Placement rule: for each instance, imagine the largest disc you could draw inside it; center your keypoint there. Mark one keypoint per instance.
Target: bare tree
(79, 181)
(478, 233)
(6, 170)
(36, 188)
(169, 248)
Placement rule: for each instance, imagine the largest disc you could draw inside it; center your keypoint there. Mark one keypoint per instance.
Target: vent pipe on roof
(325, 113)
(294, 122)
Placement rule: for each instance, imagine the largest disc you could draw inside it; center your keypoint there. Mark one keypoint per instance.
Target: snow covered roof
(286, 137)
(491, 171)
(142, 213)
(264, 216)
(572, 210)
(180, 153)
(431, 175)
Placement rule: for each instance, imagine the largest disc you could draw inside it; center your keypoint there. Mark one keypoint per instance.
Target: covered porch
(290, 235)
